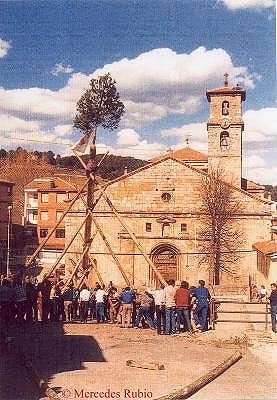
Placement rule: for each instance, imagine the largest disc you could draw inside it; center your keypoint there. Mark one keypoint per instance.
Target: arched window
(225, 108)
(224, 140)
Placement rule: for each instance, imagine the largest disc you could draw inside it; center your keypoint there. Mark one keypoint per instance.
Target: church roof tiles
(226, 90)
(185, 154)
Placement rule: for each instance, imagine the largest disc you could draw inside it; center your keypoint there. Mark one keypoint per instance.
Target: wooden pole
(83, 277)
(105, 240)
(132, 235)
(56, 225)
(90, 191)
(65, 249)
(78, 264)
(94, 266)
(96, 270)
(189, 390)
(72, 239)
(116, 260)
(102, 159)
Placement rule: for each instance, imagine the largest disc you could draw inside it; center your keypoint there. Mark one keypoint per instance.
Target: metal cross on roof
(226, 79)
(187, 140)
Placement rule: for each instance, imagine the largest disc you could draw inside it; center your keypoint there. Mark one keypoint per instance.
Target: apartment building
(45, 201)
(6, 197)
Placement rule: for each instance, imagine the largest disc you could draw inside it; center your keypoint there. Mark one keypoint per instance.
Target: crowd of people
(172, 309)
(169, 310)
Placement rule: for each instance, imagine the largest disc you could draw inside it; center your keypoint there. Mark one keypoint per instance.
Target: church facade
(160, 205)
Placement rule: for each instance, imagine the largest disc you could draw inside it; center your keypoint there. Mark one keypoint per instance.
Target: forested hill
(112, 166)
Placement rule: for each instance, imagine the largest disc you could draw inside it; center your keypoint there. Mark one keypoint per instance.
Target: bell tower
(225, 127)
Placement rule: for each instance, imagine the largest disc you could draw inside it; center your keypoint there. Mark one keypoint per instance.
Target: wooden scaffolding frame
(79, 272)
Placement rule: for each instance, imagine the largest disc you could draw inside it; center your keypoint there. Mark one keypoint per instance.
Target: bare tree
(221, 236)
(100, 105)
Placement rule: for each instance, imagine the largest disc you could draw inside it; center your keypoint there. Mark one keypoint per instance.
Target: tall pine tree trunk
(91, 165)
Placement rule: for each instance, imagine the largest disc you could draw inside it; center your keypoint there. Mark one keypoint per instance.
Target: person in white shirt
(170, 317)
(159, 300)
(84, 304)
(262, 293)
(100, 296)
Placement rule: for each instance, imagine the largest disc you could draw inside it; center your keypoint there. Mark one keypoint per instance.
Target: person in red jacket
(182, 299)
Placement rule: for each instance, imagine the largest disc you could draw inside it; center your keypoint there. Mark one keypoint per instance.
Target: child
(262, 294)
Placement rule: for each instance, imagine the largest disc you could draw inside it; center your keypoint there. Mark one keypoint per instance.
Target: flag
(81, 146)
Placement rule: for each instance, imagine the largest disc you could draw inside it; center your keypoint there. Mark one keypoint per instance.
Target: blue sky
(163, 54)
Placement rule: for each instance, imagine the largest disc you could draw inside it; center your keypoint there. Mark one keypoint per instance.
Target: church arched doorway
(166, 259)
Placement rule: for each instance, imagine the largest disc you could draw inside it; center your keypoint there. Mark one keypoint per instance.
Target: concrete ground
(78, 360)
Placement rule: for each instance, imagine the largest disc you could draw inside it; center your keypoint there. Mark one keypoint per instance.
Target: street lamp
(8, 240)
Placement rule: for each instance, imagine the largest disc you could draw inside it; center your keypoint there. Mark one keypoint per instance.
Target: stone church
(160, 204)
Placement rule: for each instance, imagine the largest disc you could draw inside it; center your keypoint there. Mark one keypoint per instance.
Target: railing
(215, 311)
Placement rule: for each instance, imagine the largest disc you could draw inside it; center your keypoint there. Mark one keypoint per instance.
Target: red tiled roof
(185, 154)
(51, 183)
(267, 247)
(227, 90)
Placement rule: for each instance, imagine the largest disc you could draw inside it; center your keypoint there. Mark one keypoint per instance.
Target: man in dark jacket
(7, 303)
(273, 306)
(127, 298)
(201, 312)
(31, 304)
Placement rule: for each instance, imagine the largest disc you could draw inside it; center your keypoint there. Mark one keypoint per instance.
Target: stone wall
(138, 199)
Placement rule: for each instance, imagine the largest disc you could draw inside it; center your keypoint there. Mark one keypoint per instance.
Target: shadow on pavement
(50, 351)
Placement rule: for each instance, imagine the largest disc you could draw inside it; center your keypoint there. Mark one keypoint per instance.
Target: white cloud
(260, 125)
(130, 143)
(143, 150)
(35, 103)
(4, 47)
(195, 133)
(61, 69)
(152, 85)
(102, 148)
(63, 130)
(11, 124)
(161, 81)
(127, 137)
(254, 161)
(33, 134)
(141, 113)
(263, 176)
(244, 4)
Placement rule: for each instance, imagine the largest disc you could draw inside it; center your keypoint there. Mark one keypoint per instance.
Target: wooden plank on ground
(137, 364)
